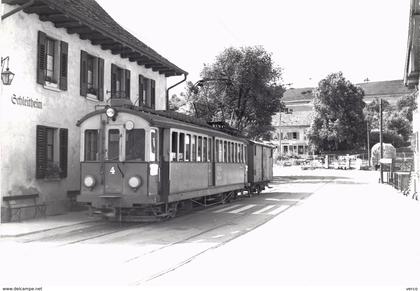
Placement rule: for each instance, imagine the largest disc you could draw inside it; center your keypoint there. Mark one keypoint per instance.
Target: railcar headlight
(89, 182)
(134, 182)
(110, 112)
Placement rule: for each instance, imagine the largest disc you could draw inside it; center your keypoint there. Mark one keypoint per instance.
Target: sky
(308, 39)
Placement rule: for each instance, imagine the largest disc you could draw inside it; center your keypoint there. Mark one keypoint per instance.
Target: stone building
(68, 57)
(411, 80)
(296, 120)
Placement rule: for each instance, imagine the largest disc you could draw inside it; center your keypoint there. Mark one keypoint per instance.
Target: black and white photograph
(209, 145)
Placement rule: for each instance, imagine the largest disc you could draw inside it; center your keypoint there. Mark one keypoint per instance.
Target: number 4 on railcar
(139, 165)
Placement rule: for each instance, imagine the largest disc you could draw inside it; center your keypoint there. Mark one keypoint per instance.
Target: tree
(240, 88)
(406, 105)
(338, 115)
(397, 126)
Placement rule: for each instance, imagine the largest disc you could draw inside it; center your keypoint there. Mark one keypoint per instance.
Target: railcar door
(212, 164)
(113, 173)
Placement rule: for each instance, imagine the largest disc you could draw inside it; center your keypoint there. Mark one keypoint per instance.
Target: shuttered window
(147, 92)
(51, 152)
(52, 62)
(120, 82)
(91, 76)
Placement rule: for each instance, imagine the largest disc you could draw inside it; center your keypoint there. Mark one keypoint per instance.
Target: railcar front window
(113, 144)
(134, 144)
(91, 145)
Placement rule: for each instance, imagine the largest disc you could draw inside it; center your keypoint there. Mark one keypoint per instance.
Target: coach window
(174, 147)
(153, 145)
(91, 145)
(236, 152)
(217, 151)
(181, 147)
(245, 154)
(113, 144)
(225, 151)
(199, 147)
(194, 148)
(204, 149)
(188, 147)
(209, 156)
(134, 145)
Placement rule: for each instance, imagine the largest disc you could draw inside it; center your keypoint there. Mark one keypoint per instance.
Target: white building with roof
(68, 57)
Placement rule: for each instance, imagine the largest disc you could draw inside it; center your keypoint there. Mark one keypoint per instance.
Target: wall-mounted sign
(26, 101)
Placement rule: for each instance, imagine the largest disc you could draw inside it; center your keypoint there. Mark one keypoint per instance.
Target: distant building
(291, 136)
(411, 80)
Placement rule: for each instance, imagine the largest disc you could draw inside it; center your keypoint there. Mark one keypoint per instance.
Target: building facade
(68, 59)
(411, 80)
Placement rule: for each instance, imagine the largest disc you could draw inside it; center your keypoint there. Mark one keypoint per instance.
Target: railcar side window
(91, 145)
(153, 145)
(188, 147)
(113, 144)
(209, 157)
(236, 152)
(134, 144)
(204, 149)
(225, 150)
(199, 146)
(218, 151)
(245, 154)
(181, 147)
(194, 149)
(174, 147)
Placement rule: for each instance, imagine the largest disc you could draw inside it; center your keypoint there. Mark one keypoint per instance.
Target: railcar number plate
(112, 171)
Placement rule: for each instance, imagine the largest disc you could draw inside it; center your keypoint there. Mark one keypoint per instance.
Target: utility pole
(381, 140)
(368, 142)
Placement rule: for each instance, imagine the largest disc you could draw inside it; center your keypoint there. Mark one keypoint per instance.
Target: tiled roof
(296, 94)
(297, 118)
(395, 87)
(89, 18)
(372, 89)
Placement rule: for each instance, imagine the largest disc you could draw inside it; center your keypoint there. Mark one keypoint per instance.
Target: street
(311, 228)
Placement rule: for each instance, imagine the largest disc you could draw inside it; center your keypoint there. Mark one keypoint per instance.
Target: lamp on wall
(6, 75)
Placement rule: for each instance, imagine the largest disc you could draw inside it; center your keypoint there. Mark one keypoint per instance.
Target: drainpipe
(167, 90)
(11, 12)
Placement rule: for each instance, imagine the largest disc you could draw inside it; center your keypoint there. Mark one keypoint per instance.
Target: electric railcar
(138, 164)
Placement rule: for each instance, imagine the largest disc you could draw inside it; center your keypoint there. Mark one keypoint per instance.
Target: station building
(411, 80)
(68, 57)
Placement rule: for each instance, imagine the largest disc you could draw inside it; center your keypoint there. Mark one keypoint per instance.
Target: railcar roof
(169, 119)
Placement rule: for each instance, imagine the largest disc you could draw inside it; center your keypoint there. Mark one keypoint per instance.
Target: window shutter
(153, 94)
(63, 64)
(42, 57)
(63, 151)
(127, 84)
(83, 73)
(113, 80)
(41, 151)
(100, 79)
(141, 90)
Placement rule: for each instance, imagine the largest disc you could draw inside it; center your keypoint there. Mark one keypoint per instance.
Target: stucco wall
(19, 34)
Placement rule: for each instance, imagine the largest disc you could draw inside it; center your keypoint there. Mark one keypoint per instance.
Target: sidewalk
(15, 229)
